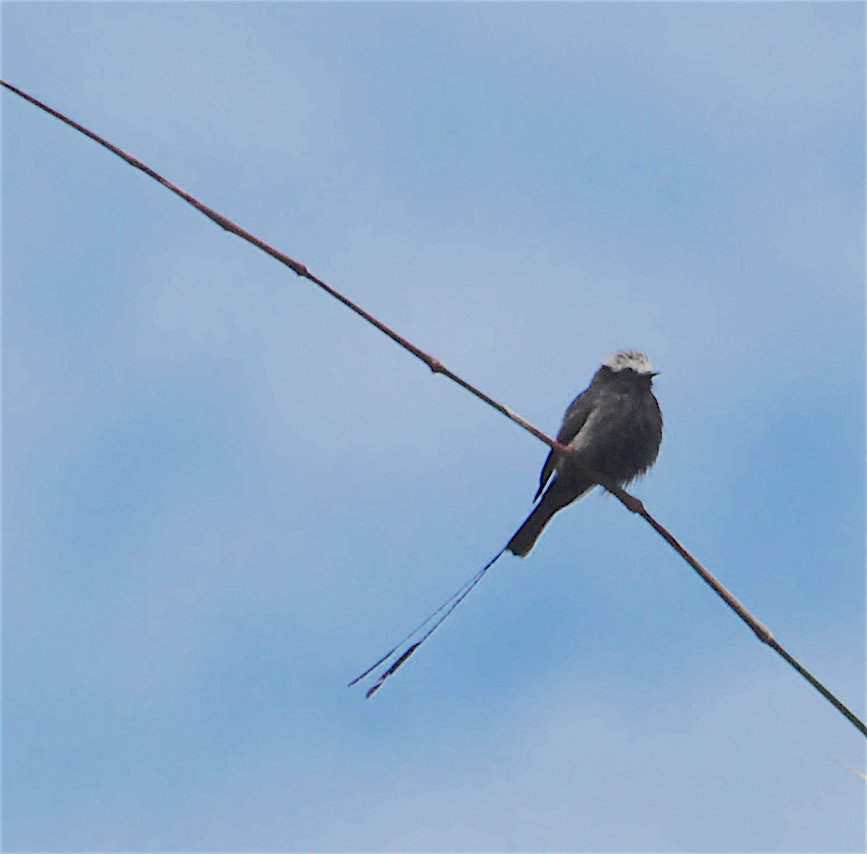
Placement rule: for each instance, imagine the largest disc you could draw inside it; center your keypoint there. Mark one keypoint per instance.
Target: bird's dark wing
(574, 419)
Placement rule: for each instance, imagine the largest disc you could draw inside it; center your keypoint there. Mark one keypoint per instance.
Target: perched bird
(615, 426)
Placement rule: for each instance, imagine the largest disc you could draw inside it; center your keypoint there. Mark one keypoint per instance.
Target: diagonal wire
(629, 501)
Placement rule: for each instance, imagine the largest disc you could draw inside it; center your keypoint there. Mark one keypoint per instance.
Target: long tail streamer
(448, 606)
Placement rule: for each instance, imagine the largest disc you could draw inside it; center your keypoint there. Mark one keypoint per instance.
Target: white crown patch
(626, 359)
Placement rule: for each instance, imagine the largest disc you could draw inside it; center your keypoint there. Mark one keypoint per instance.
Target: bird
(615, 428)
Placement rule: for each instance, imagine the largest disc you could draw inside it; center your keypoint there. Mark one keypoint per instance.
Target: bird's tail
(558, 495)
(526, 536)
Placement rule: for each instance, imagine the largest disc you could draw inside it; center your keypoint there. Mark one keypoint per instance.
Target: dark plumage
(616, 427)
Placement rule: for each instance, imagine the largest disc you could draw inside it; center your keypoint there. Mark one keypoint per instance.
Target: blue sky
(225, 496)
